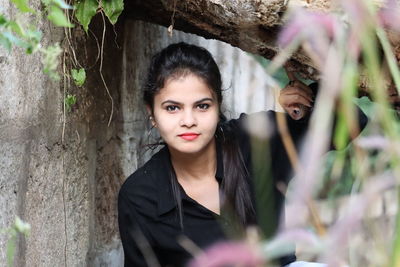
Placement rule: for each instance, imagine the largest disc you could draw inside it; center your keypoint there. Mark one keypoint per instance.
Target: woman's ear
(151, 116)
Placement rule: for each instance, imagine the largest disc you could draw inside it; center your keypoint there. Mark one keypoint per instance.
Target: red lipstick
(189, 136)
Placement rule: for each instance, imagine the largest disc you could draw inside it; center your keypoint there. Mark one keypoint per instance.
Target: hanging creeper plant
(86, 9)
(14, 33)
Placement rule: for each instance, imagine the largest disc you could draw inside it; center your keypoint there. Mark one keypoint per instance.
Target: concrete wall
(66, 188)
(32, 158)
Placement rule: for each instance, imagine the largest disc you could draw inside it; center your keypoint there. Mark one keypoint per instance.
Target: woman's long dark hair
(179, 60)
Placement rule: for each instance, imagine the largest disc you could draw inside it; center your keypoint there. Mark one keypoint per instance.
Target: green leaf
(28, 39)
(23, 5)
(112, 9)
(3, 20)
(34, 35)
(69, 101)
(17, 28)
(79, 76)
(14, 40)
(46, 2)
(62, 4)
(5, 42)
(10, 251)
(57, 16)
(22, 227)
(341, 132)
(85, 10)
(28, 45)
(50, 60)
(366, 105)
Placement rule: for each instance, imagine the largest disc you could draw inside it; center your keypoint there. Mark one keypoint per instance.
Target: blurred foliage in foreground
(349, 47)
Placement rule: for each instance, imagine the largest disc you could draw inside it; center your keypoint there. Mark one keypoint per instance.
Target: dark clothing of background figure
(148, 214)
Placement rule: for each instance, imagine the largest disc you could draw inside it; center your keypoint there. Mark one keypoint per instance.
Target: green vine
(86, 9)
(27, 36)
(19, 227)
(23, 32)
(79, 76)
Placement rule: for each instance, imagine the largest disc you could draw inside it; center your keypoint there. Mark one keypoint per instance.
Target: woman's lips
(189, 136)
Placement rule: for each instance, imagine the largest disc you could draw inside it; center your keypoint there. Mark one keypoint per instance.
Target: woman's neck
(201, 165)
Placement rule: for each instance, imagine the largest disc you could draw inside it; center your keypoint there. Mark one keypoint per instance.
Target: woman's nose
(188, 119)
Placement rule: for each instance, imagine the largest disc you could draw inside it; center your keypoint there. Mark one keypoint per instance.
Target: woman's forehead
(185, 87)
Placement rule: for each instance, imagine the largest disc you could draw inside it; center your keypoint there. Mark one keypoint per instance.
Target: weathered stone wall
(64, 188)
(32, 157)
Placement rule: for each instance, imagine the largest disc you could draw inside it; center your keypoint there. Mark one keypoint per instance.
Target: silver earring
(151, 119)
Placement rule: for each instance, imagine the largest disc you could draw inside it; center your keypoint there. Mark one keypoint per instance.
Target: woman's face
(186, 114)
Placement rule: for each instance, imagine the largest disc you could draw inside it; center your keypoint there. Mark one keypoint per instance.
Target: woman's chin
(192, 148)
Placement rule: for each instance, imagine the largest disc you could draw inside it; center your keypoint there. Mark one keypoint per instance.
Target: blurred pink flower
(357, 13)
(228, 253)
(389, 16)
(314, 30)
(353, 45)
(356, 210)
(373, 142)
(298, 235)
(306, 25)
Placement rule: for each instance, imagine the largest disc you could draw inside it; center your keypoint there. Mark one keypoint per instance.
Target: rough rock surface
(251, 25)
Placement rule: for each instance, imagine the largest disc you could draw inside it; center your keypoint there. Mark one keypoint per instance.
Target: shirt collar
(166, 201)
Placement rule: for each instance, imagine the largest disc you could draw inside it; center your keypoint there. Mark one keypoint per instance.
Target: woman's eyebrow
(204, 99)
(178, 103)
(170, 102)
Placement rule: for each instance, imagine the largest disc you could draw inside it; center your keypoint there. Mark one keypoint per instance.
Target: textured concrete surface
(42, 180)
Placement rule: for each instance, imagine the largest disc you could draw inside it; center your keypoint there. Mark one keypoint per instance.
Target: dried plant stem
(287, 141)
(315, 218)
(146, 249)
(101, 69)
(390, 57)
(282, 57)
(294, 160)
(387, 118)
(66, 81)
(189, 246)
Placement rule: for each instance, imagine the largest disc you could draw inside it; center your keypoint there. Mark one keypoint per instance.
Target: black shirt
(147, 211)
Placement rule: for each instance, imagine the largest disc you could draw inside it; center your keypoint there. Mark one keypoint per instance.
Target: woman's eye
(171, 108)
(203, 106)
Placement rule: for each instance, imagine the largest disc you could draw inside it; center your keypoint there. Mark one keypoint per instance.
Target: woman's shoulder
(254, 123)
(142, 186)
(265, 123)
(244, 117)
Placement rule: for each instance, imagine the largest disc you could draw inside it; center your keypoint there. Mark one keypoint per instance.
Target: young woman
(201, 183)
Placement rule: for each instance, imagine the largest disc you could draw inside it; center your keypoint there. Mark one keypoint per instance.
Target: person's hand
(296, 99)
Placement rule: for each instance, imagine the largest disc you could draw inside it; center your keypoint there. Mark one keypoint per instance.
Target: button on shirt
(149, 222)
